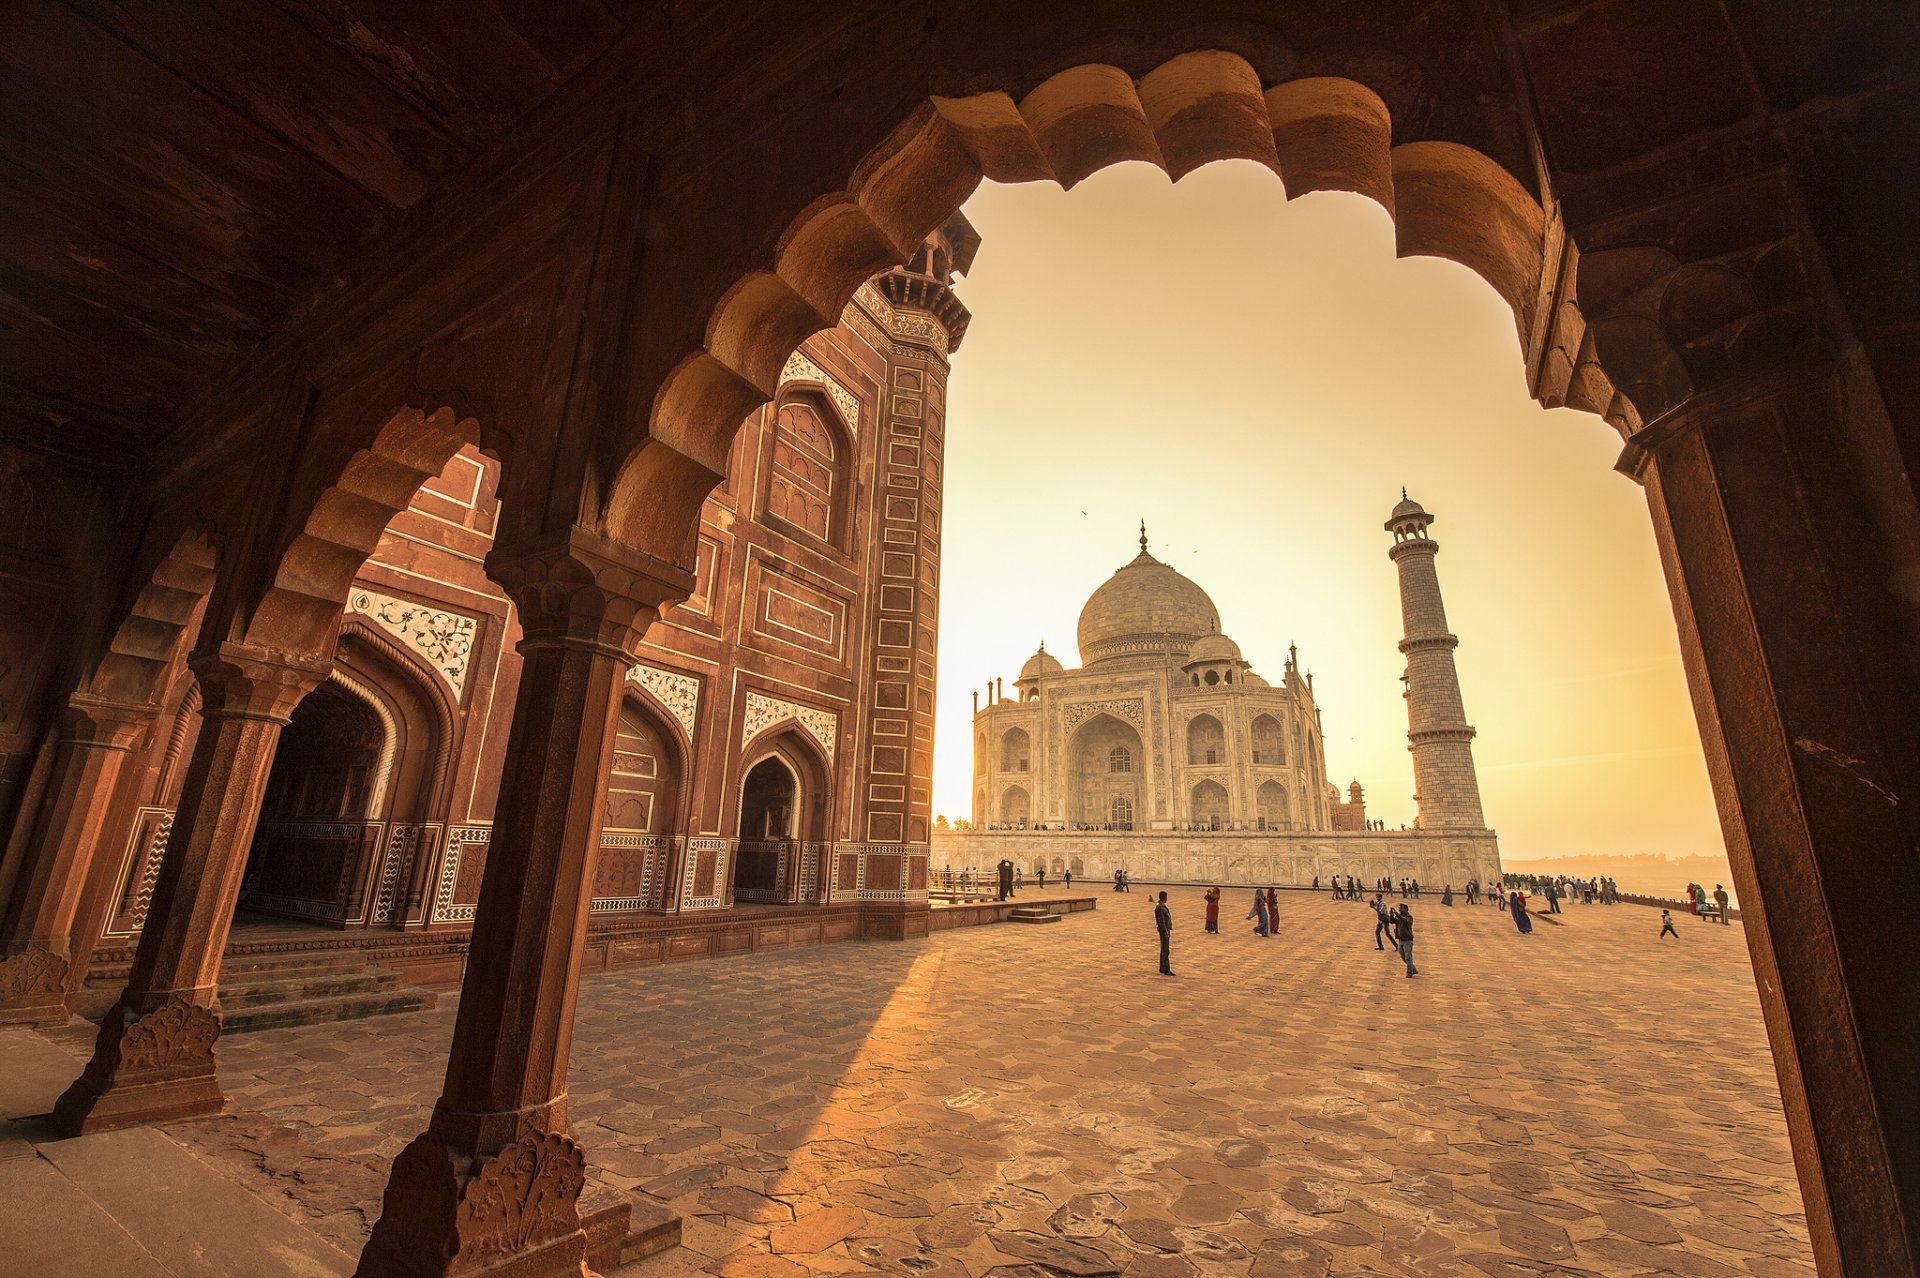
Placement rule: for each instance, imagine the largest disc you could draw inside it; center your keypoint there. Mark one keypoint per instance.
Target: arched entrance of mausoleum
(1106, 765)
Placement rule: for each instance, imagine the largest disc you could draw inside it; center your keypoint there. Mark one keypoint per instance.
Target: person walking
(1518, 903)
(1213, 910)
(1258, 913)
(1069, 880)
(1446, 897)
(1666, 926)
(1273, 911)
(1403, 938)
(1382, 921)
(1117, 879)
(1163, 923)
(1721, 899)
(1041, 871)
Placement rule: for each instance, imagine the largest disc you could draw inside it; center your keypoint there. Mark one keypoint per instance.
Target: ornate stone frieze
(764, 711)
(801, 369)
(1131, 709)
(444, 640)
(679, 693)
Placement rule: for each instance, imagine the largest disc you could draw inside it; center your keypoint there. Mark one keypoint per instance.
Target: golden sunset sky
(1257, 379)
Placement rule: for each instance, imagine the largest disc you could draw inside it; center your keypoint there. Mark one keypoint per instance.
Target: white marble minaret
(1445, 785)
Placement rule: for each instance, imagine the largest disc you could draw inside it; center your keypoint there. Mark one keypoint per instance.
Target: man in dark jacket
(1403, 938)
(1163, 922)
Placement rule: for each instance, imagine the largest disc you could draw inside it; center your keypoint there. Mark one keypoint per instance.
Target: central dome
(1145, 610)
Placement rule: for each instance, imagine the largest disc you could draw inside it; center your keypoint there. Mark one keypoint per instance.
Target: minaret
(1445, 786)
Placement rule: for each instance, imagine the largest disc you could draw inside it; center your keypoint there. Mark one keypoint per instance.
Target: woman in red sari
(1213, 910)
(1273, 911)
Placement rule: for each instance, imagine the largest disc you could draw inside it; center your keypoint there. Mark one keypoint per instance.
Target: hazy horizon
(1257, 378)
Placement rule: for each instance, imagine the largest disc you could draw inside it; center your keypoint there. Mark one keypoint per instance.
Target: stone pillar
(153, 1058)
(96, 738)
(1446, 786)
(495, 1179)
(1786, 588)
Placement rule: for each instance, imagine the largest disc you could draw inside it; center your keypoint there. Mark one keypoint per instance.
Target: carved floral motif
(444, 640)
(800, 368)
(764, 711)
(179, 1034)
(525, 1195)
(1130, 709)
(32, 972)
(679, 693)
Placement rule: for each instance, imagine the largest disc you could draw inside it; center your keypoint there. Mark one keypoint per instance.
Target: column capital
(104, 723)
(248, 681)
(575, 588)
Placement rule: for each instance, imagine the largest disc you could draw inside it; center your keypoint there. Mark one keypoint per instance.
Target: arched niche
(1206, 741)
(1016, 751)
(809, 468)
(1104, 758)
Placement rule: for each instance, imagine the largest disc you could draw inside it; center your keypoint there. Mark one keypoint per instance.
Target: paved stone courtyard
(1019, 1101)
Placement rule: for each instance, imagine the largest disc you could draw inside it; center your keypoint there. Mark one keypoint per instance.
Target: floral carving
(525, 1195)
(32, 972)
(764, 711)
(1130, 709)
(679, 693)
(444, 640)
(800, 368)
(181, 1034)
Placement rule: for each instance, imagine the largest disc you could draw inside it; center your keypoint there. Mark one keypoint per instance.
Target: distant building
(1165, 754)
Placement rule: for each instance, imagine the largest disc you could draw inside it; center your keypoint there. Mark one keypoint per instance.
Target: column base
(515, 1214)
(150, 1068)
(895, 921)
(33, 988)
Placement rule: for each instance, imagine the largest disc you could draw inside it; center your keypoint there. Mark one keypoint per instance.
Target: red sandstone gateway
(295, 285)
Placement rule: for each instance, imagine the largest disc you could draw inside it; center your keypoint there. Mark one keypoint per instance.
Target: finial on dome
(1043, 645)
(1143, 536)
(1403, 492)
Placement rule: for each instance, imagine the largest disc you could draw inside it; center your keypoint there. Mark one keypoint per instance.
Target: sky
(1257, 379)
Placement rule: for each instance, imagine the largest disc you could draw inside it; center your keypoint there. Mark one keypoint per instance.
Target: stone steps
(273, 991)
(1032, 914)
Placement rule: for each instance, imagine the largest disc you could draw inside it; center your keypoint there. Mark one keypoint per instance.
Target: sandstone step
(265, 965)
(321, 1011)
(1032, 914)
(304, 986)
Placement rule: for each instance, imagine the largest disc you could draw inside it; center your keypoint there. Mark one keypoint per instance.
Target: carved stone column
(495, 1178)
(1785, 574)
(153, 1059)
(39, 967)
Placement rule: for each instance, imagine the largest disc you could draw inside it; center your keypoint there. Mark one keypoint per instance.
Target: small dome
(1407, 506)
(1212, 648)
(1253, 680)
(1040, 663)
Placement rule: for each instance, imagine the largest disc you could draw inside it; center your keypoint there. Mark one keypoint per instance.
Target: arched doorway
(1015, 806)
(642, 813)
(1206, 741)
(768, 798)
(1104, 772)
(1210, 805)
(317, 831)
(1276, 811)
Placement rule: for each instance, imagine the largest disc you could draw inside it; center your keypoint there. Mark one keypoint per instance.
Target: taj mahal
(1166, 755)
